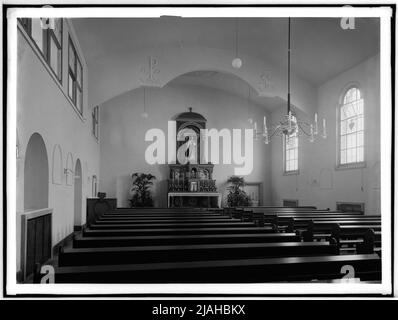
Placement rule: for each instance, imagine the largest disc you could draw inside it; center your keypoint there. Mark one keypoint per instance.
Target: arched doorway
(78, 189)
(36, 174)
(36, 223)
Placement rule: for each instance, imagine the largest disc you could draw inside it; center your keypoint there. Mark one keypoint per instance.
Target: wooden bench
(283, 218)
(367, 268)
(160, 209)
(278, 208)
(366, 238)
(165, 215)
(87, 242)
(193, 252)
(176, 231)
(170, 221)
(162, 218)
(163, 212)
(366, 244)
(135, 226)
(300, 223)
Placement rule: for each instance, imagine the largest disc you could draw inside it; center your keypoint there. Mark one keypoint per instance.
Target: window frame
(52, 37)
(73, 75)
(45, 52)
(284, 145)
(350, 165)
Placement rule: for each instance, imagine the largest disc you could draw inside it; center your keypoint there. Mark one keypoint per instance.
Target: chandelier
(290, 125)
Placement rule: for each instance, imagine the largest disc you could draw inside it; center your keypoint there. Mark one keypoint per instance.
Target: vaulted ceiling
(321, 49)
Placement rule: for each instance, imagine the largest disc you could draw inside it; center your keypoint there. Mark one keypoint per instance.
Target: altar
(191, 183)
(194, 199)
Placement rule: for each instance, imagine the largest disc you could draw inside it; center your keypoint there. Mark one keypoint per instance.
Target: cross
(190, 109)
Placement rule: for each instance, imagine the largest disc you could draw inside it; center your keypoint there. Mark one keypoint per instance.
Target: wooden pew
(163, 215)
(178, 253)
(175, 231)
(169, 221)
(367, 267)
(278, 208)
(301, 212)
(159, 209)
(295, 223)
(162, 211)
(86, 242)
(282, 218)
(366, 238)
(136, 226)
(180, 217)
(306, 214)
(267, 211)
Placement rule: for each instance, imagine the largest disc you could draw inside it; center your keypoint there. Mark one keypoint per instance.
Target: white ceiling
(228, 83)
(321, 49)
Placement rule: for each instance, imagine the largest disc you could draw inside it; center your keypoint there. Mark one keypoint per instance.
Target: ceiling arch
(114, 76)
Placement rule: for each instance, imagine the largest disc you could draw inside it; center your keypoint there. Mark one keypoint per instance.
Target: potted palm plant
(237, 197)
(142, 183)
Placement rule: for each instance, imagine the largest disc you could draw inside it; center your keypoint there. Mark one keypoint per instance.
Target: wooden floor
(268, 244)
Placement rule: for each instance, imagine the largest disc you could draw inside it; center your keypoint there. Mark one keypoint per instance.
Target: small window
(48, 40)
(75, 78)
(95, 115)
(290, 148)
(351, 128)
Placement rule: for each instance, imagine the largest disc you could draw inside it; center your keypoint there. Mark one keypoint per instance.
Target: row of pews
(240, 245)
(353, 231)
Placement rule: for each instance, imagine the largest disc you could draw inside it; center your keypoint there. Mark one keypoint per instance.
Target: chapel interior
(292, 194)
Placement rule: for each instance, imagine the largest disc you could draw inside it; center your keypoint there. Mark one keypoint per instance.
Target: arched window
(290, 151)
(351, 128)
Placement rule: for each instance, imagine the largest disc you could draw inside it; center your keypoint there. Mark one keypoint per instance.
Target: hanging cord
(288, 69)
(248, 102)
(236, 37)
(144, 100)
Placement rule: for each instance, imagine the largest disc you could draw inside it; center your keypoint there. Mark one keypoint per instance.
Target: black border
(154, 296)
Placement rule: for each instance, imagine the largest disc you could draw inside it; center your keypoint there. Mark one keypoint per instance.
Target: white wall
(319, 159)
(123, 130)
(43, 107)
